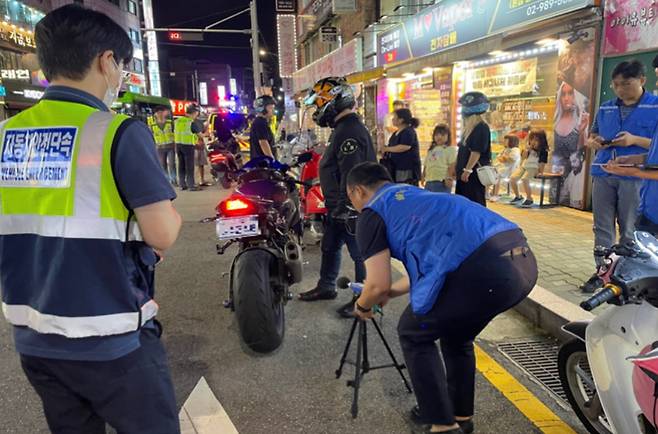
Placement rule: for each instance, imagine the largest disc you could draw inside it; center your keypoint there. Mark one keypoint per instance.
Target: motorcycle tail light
(236, 206)
(217, 158)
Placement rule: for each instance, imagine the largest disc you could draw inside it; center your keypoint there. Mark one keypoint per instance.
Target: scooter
(225, 160)
(601, 368)
(313, 208)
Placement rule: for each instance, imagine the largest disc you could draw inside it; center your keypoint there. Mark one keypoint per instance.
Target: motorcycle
(601, 367)
(262, 217)
(225, 160)
(313, 208)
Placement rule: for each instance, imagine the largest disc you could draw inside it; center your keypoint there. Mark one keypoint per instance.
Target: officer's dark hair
(630, 69)
(69, 38)
(368, 175)
(655, 62)
(192, 108)
(405, 115)
(161, 108)
(398, 102)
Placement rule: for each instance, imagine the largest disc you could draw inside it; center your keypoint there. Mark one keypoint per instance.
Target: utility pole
(255, 48)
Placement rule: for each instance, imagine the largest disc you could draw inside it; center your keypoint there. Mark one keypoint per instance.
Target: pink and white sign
(346, 60)
(630, 25)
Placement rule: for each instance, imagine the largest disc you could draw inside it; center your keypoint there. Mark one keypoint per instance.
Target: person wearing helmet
(261, 138)
(350, 144)
(474, 148)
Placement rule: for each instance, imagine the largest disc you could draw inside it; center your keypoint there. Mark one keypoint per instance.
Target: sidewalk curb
(550, 312)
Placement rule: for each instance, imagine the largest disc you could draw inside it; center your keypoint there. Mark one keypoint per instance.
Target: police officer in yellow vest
(163, 133)
(186, 140)
(84, 207)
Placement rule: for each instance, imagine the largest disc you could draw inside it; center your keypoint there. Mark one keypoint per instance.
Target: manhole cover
(539, 359)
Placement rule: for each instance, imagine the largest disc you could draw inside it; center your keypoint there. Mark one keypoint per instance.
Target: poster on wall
(630, 26)
(512, 78)
(570, 128)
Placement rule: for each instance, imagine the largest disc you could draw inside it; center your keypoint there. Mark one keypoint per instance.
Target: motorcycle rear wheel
(577, 381)
(260, 313)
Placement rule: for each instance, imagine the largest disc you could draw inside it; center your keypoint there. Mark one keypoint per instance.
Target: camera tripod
(362, 365)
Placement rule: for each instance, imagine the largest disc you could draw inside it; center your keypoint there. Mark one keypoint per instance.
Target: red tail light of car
(236, 206)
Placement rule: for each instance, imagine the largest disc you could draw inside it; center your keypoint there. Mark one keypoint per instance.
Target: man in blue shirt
(623, 127)
(648, 209)
(78, 284)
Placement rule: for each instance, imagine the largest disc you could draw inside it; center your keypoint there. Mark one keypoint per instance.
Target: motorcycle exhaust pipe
(293, 255)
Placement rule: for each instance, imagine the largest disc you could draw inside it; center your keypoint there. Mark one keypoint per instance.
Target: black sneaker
(517, 199)
(591, 285)
(466, 426)
(196, 189)
(347, 310)
(318, 293)
(527, 204)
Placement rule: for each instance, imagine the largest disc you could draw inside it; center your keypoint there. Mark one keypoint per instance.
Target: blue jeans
(168, 161)
(335, 236)
(614, 201)
(436, 187)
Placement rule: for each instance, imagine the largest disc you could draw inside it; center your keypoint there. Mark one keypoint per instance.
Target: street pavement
(293, 390)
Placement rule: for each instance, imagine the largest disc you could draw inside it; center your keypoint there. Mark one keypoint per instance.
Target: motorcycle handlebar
(608, 293)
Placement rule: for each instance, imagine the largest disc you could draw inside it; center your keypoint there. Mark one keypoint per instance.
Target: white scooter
(596, 367)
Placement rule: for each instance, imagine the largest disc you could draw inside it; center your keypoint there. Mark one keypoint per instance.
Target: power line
(206, 16)
(224, 47)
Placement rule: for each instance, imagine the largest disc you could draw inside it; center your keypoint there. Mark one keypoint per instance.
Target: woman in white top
(506, 163)
(439, 168)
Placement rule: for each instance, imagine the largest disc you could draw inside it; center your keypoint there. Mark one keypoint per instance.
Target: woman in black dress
(403, 148)
(475, 147)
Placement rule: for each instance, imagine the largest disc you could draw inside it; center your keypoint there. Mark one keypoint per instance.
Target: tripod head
(345, 283)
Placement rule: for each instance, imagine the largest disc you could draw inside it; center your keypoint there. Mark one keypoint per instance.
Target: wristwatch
(467, 170)
(361, 309)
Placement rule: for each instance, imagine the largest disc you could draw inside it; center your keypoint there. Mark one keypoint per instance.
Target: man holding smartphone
(623, 127)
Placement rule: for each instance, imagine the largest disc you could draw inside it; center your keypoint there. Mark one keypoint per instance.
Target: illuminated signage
(203, 93)
(16, 36)
(19, 92)
(233, 85)
(185, 36)
(221, 92)
(15, 74)
(152, 50)
(178, 107)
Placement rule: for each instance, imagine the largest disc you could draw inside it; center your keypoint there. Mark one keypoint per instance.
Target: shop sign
(344, 6)
(136, 80)
(16, 37)
(285, 6)
(286, 28)
(19, 92)
(630, 26)
(178, 106)
(341, 62)
(329, 34)
(512, 78)
(15, 74)
(451, 23)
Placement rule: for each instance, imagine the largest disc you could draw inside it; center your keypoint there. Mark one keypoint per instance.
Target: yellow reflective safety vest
(67, 241)
(183, 131)
(165, 135)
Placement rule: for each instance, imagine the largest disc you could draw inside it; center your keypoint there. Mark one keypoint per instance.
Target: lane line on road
(202, 413)
(532, 408)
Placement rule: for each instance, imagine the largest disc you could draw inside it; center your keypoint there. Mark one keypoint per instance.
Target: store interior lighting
(546, 42)
(497, 53)
(507, 56)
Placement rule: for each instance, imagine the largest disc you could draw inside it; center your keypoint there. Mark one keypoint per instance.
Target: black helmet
(330, 96)
(474, 103)
(261, 103)
(192, 108)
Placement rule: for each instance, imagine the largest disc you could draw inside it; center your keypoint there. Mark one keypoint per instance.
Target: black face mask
(325, 116)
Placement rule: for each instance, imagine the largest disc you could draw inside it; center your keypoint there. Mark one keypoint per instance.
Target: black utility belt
(516, 251)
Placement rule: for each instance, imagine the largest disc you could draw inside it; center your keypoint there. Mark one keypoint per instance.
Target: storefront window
(19, 14)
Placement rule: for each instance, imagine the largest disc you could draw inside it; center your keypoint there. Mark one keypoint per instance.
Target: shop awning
(363, 76)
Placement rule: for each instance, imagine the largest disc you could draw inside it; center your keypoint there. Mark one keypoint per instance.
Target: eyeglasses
(624, 84)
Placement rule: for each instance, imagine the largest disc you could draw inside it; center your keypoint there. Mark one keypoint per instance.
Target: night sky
(198, 14)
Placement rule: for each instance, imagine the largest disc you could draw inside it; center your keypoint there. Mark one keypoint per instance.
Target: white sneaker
(494, 198)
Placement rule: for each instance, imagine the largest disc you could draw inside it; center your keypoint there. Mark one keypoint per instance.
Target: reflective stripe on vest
(183, 130)
(165, 135)
(87, 207)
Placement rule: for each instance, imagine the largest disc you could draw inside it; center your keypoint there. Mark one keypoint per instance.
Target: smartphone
(606, 143)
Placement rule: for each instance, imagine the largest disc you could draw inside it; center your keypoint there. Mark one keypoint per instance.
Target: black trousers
(186, 165)
(335, 237)
(489, 282)
(473, 189)
(133, 394)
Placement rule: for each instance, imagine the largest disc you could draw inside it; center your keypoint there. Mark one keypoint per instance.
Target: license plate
(231, 228)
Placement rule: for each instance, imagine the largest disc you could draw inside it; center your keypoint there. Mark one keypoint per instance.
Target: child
(439, 169)
(534, 160)
(507, 163)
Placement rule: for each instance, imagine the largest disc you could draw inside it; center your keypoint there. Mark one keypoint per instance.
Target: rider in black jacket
(349, 144)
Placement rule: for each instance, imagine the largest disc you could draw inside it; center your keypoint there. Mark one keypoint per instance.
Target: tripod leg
(398, 366)
(339, 371)
(357, 371)
(366, 362)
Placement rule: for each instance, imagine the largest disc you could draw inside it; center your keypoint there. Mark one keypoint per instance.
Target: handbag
(488, 175)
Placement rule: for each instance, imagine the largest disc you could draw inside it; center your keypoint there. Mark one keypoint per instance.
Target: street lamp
(263, 52)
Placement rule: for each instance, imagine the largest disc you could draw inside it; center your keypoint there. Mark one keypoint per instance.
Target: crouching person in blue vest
(84, 206)
(465, 265)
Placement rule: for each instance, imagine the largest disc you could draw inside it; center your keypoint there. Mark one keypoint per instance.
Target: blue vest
(432, 234)
(649, 192)
(641, 122)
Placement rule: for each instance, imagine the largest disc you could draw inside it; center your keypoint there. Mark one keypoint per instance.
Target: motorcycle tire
(569, 354)
(226, 182)
(261, 317)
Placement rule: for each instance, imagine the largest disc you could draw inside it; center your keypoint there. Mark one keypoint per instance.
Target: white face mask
(112, 92)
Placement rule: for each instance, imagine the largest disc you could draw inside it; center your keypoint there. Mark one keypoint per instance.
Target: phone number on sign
(545, 6)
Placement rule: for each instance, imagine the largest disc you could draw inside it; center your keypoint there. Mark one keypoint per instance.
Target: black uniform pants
(186, 165)
(489, 282)
(133, 394)
(473, 189)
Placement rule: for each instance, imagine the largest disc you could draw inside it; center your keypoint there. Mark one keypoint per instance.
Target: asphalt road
(293, 390)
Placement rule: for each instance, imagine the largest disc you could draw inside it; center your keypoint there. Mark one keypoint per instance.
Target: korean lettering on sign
(37, 157)
(15, 74)
(16, 37)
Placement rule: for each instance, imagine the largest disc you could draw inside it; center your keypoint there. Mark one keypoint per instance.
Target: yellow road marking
(527, 403)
